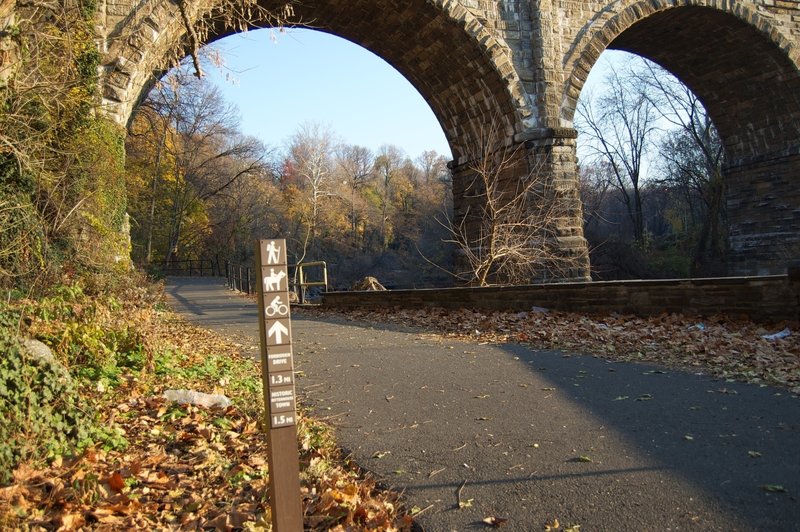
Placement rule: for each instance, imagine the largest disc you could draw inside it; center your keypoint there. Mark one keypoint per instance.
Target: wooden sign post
(277, 371)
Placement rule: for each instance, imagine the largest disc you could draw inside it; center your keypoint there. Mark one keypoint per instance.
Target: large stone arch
(746, 72)
(464, 72)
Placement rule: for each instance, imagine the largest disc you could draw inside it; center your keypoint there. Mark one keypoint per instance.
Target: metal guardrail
(242, 278)
(303, 281)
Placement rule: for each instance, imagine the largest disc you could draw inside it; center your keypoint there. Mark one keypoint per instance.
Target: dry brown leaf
(495, 522)
(116, 482)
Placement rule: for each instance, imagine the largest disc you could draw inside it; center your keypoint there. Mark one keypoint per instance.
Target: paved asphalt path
(532, 435)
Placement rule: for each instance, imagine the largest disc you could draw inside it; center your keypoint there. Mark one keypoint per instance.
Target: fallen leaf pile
(189, 467)
(719, 346)
(182, 468)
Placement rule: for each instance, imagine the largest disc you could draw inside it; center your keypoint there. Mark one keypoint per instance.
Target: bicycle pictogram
(277, 307)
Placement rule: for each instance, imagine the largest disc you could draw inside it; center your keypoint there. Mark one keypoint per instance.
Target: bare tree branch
(508, 234)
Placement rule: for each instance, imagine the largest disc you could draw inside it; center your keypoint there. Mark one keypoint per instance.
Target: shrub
(43, 414)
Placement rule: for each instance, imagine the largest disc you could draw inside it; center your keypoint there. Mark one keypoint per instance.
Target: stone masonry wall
(763, 299)
(546, 39)
(764, 216)
(9, 48)
(587, 27)
(552, 152)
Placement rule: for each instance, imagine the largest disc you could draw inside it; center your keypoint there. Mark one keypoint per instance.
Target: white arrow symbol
(277, 330)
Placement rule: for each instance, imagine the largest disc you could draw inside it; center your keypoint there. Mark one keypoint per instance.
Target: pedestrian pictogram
(274, 252)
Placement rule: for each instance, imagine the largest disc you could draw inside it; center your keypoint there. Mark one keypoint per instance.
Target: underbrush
(47, 411)
(87, 439)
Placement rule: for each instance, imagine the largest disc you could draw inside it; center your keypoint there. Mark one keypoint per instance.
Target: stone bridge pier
(521, 64)
(545, 158)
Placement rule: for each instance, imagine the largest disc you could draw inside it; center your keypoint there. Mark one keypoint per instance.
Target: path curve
(531, 436)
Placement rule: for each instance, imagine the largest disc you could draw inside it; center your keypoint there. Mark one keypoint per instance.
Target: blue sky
(280, 80)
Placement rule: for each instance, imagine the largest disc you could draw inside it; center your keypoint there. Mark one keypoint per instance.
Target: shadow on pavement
(734, 441)
(532, 435)
(666, 441)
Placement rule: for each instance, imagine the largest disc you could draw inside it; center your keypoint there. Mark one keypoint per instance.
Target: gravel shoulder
(532, 436)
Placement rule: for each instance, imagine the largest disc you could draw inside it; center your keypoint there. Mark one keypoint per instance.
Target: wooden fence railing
(192, 268)
(242, 277)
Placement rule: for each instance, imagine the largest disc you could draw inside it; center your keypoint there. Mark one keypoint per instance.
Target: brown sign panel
(275, 279)
(282, 420)
(273, 252)
(277, 368)
(277, 306)
(281, 399)
(279, 332)
(280, 360)
(281, 379)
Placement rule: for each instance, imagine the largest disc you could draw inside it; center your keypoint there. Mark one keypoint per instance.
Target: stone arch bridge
(522, 64)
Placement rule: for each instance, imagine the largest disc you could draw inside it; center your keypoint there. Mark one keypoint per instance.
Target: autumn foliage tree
(62, 202)
(311, 155)
(355, 163)
(198, 188)
(184, 150)
(692, 157)
(620, 127)
(371, 212)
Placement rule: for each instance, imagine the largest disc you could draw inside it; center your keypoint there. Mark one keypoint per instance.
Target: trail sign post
(277, 371)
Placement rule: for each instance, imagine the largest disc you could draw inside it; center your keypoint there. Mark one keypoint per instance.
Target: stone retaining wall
(771, 298)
